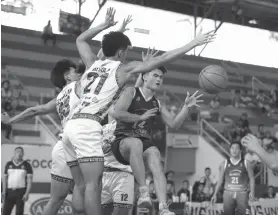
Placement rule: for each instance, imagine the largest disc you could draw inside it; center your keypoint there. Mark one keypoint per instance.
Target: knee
(154, 161)
(136, 146)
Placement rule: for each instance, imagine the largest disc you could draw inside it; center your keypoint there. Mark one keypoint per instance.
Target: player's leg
(86, 139)
(79, 185)
(61, 180)
(242, 203)
(123, 193)
(106, 194)
(153, 159)
(130, 151)
(229, 203)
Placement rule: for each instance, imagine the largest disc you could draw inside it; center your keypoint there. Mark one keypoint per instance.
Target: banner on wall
(38, 156)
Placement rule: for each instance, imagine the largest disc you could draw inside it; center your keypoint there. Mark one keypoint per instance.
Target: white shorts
(82, 141)
(117, 189)
(59, 168)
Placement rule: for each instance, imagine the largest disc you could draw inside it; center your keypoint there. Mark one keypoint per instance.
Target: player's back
(99, 88)
(236, 175)
(139, 105)
(66, 102)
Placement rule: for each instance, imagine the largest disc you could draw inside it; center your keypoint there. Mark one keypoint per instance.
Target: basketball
(213, 79)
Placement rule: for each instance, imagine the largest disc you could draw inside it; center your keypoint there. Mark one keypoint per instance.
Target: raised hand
(151, 53)
(109, 17)
(125, 23)
(193, 100)
(202, 39)
(148, 114)
(251, 142)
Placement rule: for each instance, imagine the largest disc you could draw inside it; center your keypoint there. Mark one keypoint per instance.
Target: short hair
(114, 41)
(185, 181)
(5, 81)
(58, 71)
(207, 168)
(19, 147)
(161, 68)
(236, 143)
(169, 172)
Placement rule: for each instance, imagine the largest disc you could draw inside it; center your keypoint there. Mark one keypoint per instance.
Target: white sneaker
(166, 212)
(144, 201)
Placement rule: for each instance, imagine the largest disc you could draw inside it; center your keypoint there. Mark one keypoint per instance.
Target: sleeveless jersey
(109, 158)
(139, 105)
(99, 88)
(236, 176)
(66, 101)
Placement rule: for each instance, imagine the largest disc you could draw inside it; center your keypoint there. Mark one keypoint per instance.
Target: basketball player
(64, 76)
(252, 143)
(136, 111)
(237, 174)
(100, 86)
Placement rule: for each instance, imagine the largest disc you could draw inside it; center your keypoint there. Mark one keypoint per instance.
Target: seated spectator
(237, 102)
(215, 103)
(270, 193)
(184, 193)
(261, 131)
(170, 189)
(6, 91)
(246, 99)
(244, 120)
(6, 127)
(237, 133)
(47, 34)
(199, 195)
(170, 176)
(275, 96)
(262, 103)
(152, 192)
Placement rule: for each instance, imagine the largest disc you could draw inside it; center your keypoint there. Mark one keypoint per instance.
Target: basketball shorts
(117, 189)
(59, 169)
(82, 141)
(115, 146)
(235, 203)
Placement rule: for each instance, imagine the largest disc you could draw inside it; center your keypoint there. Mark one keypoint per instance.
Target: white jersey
(99, 88)
(109, 159)
(66, 102)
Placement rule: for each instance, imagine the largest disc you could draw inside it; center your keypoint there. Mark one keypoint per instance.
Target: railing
(255, 90)
(10, 75)
(209, 132)
(40, 122)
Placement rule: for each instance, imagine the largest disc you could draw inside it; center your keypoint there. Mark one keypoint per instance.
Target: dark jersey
(236, 176)
(141, 129)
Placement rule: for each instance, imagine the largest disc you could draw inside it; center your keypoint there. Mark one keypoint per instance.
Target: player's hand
(251, 142)
(150, 54)
(148, 114)
(213, 199)
(5, 118)
(25, 197)
(126, 21)
(193, 100)
(109, 17)
(202, 39)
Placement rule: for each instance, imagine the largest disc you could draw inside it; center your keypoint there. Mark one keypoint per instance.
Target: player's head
(63, 73)
(235, 149)
(18, 153)
(154, 79)
(115, 44)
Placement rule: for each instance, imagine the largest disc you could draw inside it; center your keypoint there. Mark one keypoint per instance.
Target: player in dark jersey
(136, 111)
(237, 175)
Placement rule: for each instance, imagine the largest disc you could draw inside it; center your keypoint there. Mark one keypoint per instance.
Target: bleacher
(27, 57)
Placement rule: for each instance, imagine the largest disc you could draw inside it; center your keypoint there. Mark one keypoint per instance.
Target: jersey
(236, 175)
(99, 88)
(139, 105)
(66, 102)
(109, 158)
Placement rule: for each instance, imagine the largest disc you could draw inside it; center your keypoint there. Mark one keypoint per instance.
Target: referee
(18, 177)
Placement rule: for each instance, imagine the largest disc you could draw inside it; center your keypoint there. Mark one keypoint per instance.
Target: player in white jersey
(100, 85)
(64, 76)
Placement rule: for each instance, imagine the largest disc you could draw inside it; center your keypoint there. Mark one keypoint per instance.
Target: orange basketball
(213, 79)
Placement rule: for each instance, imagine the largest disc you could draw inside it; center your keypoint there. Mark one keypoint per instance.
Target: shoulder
(9, 163)
(129, 91)
(27, 164)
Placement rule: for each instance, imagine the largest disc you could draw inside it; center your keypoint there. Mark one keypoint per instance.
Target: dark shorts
(235, 203)
(115, 146)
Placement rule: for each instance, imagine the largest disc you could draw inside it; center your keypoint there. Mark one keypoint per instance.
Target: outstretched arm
(177, 121)
(34, 111)
(82, 44)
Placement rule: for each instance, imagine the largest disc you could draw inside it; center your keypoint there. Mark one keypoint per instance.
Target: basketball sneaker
(144, 200)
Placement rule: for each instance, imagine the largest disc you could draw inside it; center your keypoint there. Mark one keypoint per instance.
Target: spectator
(6, 91)
(199, 195)
(207, 182)
(262, 103)
(215, 103)
(170, 175)
(170, 189)
(246, 99)
(152, 192)
(237, 133)
(270, 193)
(261, 131)
(17, 183)
(237, 102)
(47, 34)
(5, 126)
(244, 120)
(184, 193)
